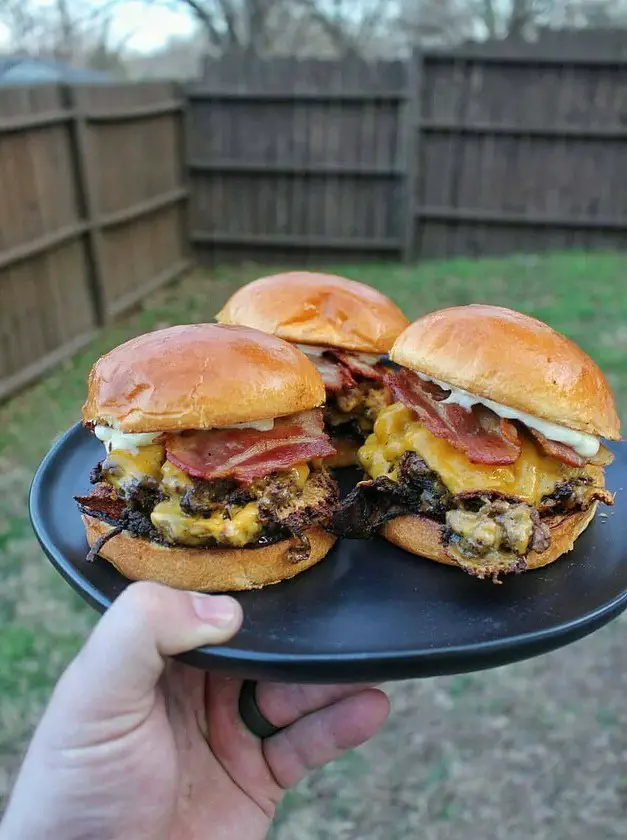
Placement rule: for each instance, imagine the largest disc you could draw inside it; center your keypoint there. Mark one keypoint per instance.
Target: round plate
(369, 611)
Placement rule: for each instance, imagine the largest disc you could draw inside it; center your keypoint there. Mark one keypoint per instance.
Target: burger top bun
(514, 360)
(307, 307)
(200, 376)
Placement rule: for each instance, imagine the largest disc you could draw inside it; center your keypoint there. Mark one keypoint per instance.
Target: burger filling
(356, 390)
(223, 487)
(495, 486)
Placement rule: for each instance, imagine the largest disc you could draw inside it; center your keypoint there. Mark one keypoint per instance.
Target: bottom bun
(205, 569)
(345, 453)
(423, 536)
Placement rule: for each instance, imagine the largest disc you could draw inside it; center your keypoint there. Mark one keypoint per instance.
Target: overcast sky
(149, 28)
(152, 27)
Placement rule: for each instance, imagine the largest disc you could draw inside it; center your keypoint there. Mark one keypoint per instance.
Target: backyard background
(400, 175)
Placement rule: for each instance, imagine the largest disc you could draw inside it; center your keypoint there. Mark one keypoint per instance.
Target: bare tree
(75, 31)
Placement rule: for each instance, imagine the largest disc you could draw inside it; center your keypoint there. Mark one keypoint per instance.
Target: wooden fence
(92, 209)
(441, 155)
(445, 154)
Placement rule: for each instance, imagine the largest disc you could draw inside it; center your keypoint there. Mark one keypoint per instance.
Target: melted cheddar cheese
(397, 431)
(174, 481)
(123, 467)
(301, 474)
(178, 527)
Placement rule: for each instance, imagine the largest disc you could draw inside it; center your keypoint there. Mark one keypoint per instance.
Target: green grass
(43, 622)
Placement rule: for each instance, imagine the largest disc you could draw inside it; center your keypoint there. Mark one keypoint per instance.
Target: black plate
(369, 611)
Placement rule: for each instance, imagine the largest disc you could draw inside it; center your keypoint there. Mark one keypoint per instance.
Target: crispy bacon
(357, 366)
(603, 458)
(482, 436)
(246, 454)
(567, 454)
(335, 376)
(102, 500)
(339, 369)
(560, 451)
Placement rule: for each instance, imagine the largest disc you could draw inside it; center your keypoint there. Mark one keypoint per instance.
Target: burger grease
(344, 327)
(489, 456)
(212, 476)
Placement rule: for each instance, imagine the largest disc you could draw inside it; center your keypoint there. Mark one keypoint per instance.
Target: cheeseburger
(212, 477)
(489, 456)
(344, 327)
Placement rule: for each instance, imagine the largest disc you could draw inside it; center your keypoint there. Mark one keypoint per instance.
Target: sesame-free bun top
(512, 359)
(307, 307)
(200, 376)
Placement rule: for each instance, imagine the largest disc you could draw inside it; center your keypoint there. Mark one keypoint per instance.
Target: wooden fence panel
(475, 153)
(45, 307)
(297, 156)
(133, 151)
(444, 154)
(521, 155)
(92, 214)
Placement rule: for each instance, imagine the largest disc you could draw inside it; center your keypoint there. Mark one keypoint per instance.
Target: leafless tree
(75, 31)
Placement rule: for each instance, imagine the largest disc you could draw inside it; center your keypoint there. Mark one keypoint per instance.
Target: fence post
(180, 92)
(82, 163)
(408, 153)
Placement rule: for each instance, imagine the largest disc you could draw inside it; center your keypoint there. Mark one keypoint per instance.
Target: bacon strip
(482, 436)
(246, 454)
(104, 500)
(560, 451)
(357, 366)
(335, 376)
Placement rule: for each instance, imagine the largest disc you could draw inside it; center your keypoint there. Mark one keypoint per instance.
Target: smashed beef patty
(498, 525)
(179, 510)
(485, 533)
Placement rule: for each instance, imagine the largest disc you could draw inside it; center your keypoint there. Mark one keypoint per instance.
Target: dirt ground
(533, 750)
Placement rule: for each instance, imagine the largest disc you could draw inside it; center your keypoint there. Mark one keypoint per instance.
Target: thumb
(118, 669)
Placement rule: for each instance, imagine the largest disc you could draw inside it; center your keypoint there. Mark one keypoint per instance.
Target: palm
(198, 766)
(222, 776)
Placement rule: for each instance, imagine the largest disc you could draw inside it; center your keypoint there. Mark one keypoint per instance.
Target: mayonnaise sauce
(131, 442)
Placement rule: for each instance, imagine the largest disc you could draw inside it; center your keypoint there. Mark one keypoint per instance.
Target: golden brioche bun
(422, 536)
(308, 307)
(514, 360)
(200, 376)
(204, 569)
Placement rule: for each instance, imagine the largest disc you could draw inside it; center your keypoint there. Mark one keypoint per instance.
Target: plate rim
(575, 629)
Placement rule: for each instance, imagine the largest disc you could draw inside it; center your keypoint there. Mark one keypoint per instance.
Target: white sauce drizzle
(130, 442)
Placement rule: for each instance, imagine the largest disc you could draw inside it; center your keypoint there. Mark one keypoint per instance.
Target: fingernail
(219, 610)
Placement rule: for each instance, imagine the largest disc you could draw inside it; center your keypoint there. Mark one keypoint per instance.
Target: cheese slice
(396, 431)
(123, 466)
(178, 527)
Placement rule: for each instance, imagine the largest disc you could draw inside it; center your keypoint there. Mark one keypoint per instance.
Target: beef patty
(478, 526)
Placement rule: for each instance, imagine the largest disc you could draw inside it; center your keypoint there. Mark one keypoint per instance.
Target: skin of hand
(136, 745)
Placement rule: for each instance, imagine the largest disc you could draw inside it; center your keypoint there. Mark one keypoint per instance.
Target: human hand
(135, 746)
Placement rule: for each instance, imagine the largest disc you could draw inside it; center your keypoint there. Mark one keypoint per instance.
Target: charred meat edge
(419, 490)
(131, 511)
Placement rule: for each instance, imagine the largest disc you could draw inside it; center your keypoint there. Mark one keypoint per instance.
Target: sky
(147, 28)
(150, 28)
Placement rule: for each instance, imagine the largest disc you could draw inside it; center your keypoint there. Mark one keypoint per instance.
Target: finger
(325, 735)
(125, 656)
(282, 704)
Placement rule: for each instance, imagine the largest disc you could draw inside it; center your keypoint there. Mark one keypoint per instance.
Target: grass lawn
(43, 622)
